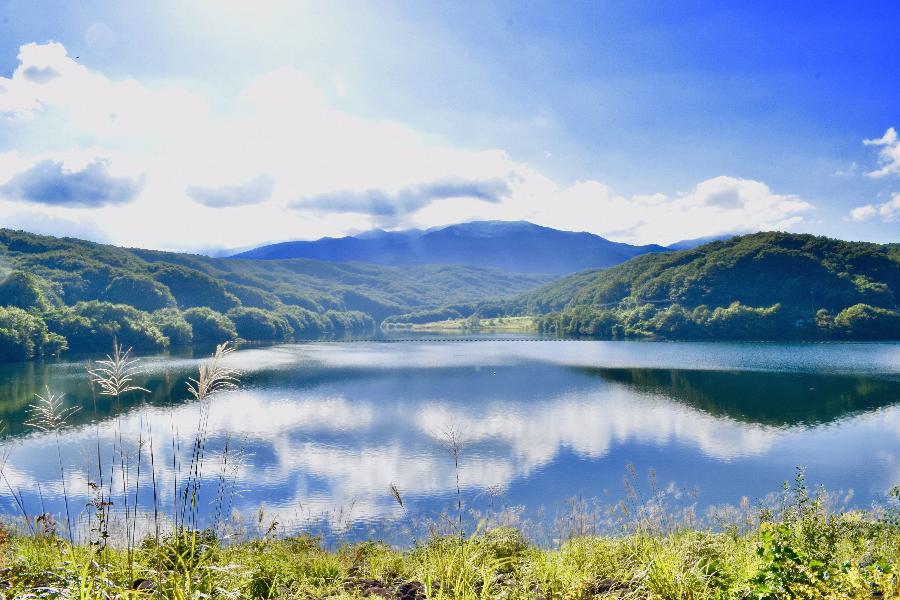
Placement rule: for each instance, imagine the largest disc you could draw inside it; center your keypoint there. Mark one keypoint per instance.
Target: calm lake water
(324, 428)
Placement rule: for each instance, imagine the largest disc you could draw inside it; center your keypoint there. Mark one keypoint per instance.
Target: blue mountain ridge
(515, 246)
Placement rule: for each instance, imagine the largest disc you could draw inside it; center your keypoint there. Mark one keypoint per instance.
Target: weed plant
(795, 546)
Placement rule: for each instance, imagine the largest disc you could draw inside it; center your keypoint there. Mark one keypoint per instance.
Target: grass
(797, 547)
(807, 554)
(495, 325)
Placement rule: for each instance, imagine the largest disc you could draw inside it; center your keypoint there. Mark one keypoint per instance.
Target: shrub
(862, 321)
(138, 291)
(304, 323)
(192, 288)
(425, 316)
(208, 325)
(254, 297)
(259, 324)
(23, 290)
(174, 326)
(92, 327)
(24, 336)
(348, 321)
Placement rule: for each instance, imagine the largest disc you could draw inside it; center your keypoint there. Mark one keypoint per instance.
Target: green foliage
(424, 316)
(304, 299)
(139, 291)
(192, 288)
(254, 297)
(862, 321)
(257, 324)
(24, 336)
(208, 325)
(304, 323)
(182, 550)
(800, 552)
(172, 323)
(92, 327)
(23, 290)
(348, 321)
(777, 561)
(760, 286)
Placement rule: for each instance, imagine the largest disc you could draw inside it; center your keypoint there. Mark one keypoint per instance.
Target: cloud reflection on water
(326, 426)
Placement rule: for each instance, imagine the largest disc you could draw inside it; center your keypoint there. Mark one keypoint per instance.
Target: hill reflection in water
(322, 426)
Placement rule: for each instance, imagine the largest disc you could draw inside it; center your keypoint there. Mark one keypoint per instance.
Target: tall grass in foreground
(797, 547)
(799, 550)
(178, 545)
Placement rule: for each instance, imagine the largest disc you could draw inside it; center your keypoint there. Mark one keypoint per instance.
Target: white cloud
(888, 155)
(887, 211)
(286, 127)
(257, 190)
(863, 213)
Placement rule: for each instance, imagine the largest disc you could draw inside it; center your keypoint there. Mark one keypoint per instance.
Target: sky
(202, 126)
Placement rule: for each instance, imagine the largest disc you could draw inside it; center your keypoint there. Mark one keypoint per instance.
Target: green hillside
(61, 293)
(760, 286)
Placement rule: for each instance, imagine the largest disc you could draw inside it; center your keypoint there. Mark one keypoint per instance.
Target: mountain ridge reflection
(322, 428)
(766, 398)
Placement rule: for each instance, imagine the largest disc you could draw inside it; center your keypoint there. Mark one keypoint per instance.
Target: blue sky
(640, 121)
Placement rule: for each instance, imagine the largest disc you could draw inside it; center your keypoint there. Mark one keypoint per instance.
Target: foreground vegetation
(61, 294)
(800, 551)
(191, 545)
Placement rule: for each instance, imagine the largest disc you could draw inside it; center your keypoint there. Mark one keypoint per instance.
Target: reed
(644, 546)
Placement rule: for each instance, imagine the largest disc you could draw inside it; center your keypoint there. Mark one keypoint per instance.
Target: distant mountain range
(513, 246)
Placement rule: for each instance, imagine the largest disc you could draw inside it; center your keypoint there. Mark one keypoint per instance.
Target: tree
(174, 326)
(862, 321)
(24, 336)
(258, 324)
(23, 290)
(92, 326)
(208, 325)
(138, 291)
(192, 288)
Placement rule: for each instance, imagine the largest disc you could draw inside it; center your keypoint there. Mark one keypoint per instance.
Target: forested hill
(516, 246)
(764, 285)
(58, 293)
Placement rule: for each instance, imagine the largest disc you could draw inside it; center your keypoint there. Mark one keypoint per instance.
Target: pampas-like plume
(214, 376)
(48, 413)
(115, 374)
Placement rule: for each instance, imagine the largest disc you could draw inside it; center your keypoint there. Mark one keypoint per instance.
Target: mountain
(695, 242)
(515, 246)
(765, 285)
(63, 292)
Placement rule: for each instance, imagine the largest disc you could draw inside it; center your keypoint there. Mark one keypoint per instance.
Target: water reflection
(321, 426)
(776, 399)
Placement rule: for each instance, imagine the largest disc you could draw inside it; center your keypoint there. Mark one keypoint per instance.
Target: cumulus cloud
(863, 213)
(888, 212)
(888, 155)
(715, 206)
(40, 75)
(48, 182)
(389, 207)
(49, 83)
(257, 190)
(328, 172)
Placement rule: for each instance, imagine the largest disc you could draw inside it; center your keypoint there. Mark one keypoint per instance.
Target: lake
(319, 431)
